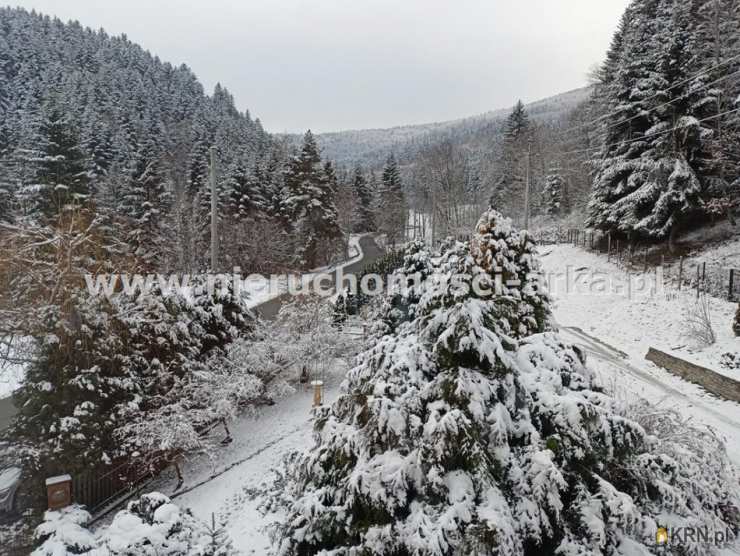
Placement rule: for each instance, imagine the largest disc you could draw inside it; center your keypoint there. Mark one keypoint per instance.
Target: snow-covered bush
(153, 525)
(112, 365)
(149, 526)
(730, 360)
(63, 532)
(462, 433)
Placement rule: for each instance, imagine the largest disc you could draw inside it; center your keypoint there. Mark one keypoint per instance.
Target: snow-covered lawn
(632, 326)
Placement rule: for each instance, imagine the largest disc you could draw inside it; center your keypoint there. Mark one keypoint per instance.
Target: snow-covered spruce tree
(364, 217)
(508, 192)
(111, 367)
(63, 532)
(458, 436)
(61, 176)
(510, 256)
(392, 210)
(408, 285)
(145, 200)
(658, 161)
(553, 195)
(308, 206)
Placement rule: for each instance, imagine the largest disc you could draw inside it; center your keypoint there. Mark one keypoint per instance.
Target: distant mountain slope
(370, 146)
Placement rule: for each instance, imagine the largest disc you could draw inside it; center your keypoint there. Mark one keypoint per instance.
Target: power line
(688, 79)
(648, 111)
(655, 134)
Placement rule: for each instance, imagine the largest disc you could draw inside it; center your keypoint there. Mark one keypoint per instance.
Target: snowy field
(617, 332)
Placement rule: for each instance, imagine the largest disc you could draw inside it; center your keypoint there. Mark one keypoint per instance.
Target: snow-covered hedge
(150, 526)
(462, 432)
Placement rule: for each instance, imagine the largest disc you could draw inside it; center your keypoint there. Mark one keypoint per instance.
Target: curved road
(370, 253)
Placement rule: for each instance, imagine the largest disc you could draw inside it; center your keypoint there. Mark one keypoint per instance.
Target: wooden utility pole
(528, 185)
(214, 212)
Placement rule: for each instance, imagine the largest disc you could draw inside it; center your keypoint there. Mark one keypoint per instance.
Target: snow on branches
(149, 526)
(462, 432)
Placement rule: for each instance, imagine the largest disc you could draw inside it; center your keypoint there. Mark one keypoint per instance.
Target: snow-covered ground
(11, 377)
(260, 443)
(634, 321)
(618, 329)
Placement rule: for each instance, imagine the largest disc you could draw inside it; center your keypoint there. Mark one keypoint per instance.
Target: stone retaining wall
(713, 382)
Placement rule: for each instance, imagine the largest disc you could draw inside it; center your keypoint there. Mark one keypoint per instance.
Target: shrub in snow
(730, 360)
(461, 433)
(153, 525)
(113, 363)
(63, 532)
(697, 325)
(408, 280)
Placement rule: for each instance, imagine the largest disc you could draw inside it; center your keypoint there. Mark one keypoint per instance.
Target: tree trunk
(672, 239)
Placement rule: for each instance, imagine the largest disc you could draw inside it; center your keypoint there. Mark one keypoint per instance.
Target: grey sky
(346, 64)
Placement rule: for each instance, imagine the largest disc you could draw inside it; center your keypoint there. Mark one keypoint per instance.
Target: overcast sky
(346, 64)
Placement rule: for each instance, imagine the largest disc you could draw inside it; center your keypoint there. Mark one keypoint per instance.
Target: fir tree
(554, 195)
(392, 209)
(657, 163)
(62, 172)
(145, 200)
(308, 205)
(364, 218)
(508, 192)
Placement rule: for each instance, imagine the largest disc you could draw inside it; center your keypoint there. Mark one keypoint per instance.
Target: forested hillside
(370, 147)
(89, 119)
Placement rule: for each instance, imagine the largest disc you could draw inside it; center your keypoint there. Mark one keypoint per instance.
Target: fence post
(619, 253)
(608, 246)
(703, 271)
(680, 273)
(731, 289)
(698, 280)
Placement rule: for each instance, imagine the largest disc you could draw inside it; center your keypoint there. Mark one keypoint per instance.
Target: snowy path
(223, 483)
(616, 331)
